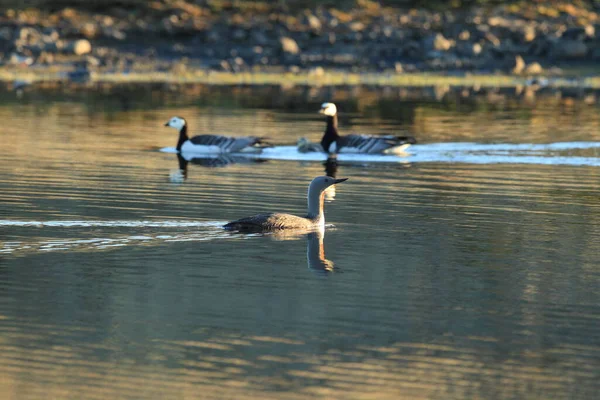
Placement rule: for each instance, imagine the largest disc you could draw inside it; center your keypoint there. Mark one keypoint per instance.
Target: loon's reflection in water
(315, 254)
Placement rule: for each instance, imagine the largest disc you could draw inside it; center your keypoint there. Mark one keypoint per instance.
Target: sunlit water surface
(440, 279)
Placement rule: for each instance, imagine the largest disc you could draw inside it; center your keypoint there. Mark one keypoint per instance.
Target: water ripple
(459, 152)
(112, 224)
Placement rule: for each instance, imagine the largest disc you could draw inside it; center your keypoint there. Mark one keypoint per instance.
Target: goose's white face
(176, 123)
(328, 109)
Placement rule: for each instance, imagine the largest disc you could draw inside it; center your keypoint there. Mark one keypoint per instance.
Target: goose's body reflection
(331, 167)
(208, 161)
(315, 254)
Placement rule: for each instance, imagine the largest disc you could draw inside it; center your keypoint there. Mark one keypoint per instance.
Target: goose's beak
(322, 111)
(166, 124)
(339, 180)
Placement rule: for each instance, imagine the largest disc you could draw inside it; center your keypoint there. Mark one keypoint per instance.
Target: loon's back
(270, 222)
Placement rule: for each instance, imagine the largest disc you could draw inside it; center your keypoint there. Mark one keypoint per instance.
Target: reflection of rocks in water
(214, 161)
(315, 254)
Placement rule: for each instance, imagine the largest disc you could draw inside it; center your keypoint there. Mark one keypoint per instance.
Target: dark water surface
(443, 280)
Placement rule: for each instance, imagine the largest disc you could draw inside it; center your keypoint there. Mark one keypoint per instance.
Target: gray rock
(212, 36)
(114, 33)
(468, 49)
(595, 53)
(356, 26)
(413, 49)
(515, 65)
(331, 38)
(6, 33)
(51, 35)
(529, 34)
(539, 47)
(313, 22)
(18, 59)
(28, 35)
(79, 47)
(45, 58)
(533, 69)
(90, 30)
(493, 39)
(317, 72)
(239, 61)
(579, 33)
(289, 45)
(464, 35)
(224, 64)
(92, 61)
(239, 35)
(569, 49)
(53, 47)
(437, 42)
(259, 37)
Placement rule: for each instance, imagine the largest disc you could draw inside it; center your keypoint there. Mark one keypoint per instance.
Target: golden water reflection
(450, 281)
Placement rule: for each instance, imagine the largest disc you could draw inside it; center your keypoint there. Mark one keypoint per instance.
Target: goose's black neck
(183, 137)
(331, 132)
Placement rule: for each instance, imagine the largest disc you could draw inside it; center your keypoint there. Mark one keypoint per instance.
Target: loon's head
(176, 122)
(328, 109)
(320, 183)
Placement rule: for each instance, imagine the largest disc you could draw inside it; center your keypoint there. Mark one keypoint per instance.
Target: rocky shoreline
(176, 37)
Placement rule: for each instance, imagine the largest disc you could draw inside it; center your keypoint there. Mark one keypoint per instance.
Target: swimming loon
(315, 219)
(214, 143)
(332, 142)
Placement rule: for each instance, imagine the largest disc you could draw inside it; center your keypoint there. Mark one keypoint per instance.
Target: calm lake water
(449, 279)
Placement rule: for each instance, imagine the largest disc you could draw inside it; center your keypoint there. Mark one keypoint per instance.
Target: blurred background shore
(135, 40)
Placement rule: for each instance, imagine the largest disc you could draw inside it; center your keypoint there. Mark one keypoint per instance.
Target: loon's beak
(339, 180)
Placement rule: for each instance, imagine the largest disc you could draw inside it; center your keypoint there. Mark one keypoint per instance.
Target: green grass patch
(290, 79)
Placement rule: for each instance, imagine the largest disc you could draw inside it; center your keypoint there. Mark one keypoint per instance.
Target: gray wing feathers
(227, 143)
(269, 222)
(372, 144)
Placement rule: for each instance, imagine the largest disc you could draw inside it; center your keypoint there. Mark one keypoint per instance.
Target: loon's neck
(315, 206)
(331, 132)
(183, 137)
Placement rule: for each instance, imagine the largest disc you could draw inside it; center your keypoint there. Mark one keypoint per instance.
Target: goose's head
(320, 183)
(302, 142)
(328, 109)
(176, 122)
(303, 145)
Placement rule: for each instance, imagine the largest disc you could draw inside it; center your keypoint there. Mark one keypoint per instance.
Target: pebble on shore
(509, 39)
